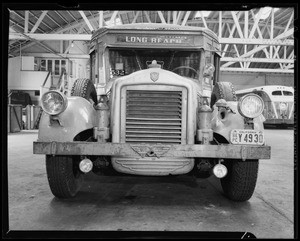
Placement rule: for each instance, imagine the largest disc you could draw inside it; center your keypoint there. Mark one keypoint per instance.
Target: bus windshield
(126, 61)
(288, 93)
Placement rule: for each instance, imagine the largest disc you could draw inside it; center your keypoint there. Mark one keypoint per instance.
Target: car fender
(79, 115)
(232, 120)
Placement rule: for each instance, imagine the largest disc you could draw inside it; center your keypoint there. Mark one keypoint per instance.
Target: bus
(279, 103)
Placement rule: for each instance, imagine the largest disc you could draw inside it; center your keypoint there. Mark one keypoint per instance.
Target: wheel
(223, 90)
(240, 181)
(186, 67)
(64, 176)
(86, 89)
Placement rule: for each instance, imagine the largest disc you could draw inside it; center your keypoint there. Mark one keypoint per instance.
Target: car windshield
(124, 61)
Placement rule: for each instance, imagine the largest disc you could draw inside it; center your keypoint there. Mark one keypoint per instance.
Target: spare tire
(84, 88)
(223, 90)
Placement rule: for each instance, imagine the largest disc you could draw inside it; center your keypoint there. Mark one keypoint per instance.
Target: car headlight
(53, 102)
(251, 106)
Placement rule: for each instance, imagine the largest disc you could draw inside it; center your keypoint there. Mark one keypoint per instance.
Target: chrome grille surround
(151, 115)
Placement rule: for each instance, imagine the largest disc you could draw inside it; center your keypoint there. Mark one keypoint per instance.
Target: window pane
(49, 67)
(208, 57)
(56, 68)
(277, 92)
(36, 66)
(43, 65)
(71, 67)
(93, 66)
(63, 65)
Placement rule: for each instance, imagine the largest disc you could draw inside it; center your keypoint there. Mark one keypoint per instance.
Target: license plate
(247, 137)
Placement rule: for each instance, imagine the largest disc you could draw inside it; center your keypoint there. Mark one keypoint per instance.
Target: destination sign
(163, 39)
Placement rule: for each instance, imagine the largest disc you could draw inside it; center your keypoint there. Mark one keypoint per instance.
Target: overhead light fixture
(205, 14)
(266, 11)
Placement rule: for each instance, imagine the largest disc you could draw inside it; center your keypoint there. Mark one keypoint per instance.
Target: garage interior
(49, 49)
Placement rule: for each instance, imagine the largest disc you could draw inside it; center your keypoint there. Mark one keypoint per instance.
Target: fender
(79, 115)
(232, 121)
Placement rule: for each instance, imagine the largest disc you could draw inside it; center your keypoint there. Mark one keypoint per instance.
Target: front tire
(240, 181)
(64, 176)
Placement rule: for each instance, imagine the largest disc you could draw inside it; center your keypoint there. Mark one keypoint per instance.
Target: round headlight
(53, 102)
(251, 106)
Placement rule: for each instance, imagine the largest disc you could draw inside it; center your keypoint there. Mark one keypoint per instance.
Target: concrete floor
(179, 203)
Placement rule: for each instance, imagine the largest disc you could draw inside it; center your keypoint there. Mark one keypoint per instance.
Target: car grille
(153, 117)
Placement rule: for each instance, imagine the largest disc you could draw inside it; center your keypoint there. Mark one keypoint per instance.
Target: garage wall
(21, 76)
(80, 67)
(13, 72)
(24, 78)
(249, 80)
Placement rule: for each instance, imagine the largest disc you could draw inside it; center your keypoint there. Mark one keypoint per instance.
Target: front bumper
(226, 151)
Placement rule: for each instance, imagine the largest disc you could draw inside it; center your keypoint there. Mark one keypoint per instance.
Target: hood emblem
(154, 76)
(151, 150)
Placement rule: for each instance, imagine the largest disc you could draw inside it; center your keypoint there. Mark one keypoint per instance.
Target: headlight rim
(65, 103)
(246, 96)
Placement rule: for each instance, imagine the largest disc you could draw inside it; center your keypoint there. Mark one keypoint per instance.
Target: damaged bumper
(227, 151)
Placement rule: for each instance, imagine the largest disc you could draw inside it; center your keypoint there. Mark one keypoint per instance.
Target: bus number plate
(247, 137)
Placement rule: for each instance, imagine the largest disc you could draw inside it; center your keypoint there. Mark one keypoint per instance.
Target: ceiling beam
(20, 16)
(286, 42)
(230, 34)
(26, 22)
(147, 16)
(203, 19)
(258, 60)
(174, 17)
(101, 19)
(257, 70)
(135, 17)
(37, 24)
(87, 37)
(113, 17)
(237, 24)
(186, 18)
(261, 47)
(51, 55)
(161, 16)
(86, 20)
(42, 37)
(220, 24)
(255, 25)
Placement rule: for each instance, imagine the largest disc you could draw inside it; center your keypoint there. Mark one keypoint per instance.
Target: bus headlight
(53, 102)
(251, 106)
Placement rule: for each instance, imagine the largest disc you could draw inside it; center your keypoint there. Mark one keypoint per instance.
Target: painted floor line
(273, 207)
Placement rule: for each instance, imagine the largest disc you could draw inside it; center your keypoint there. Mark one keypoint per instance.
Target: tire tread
(84, 88)
(240, 182)
(60, 175)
